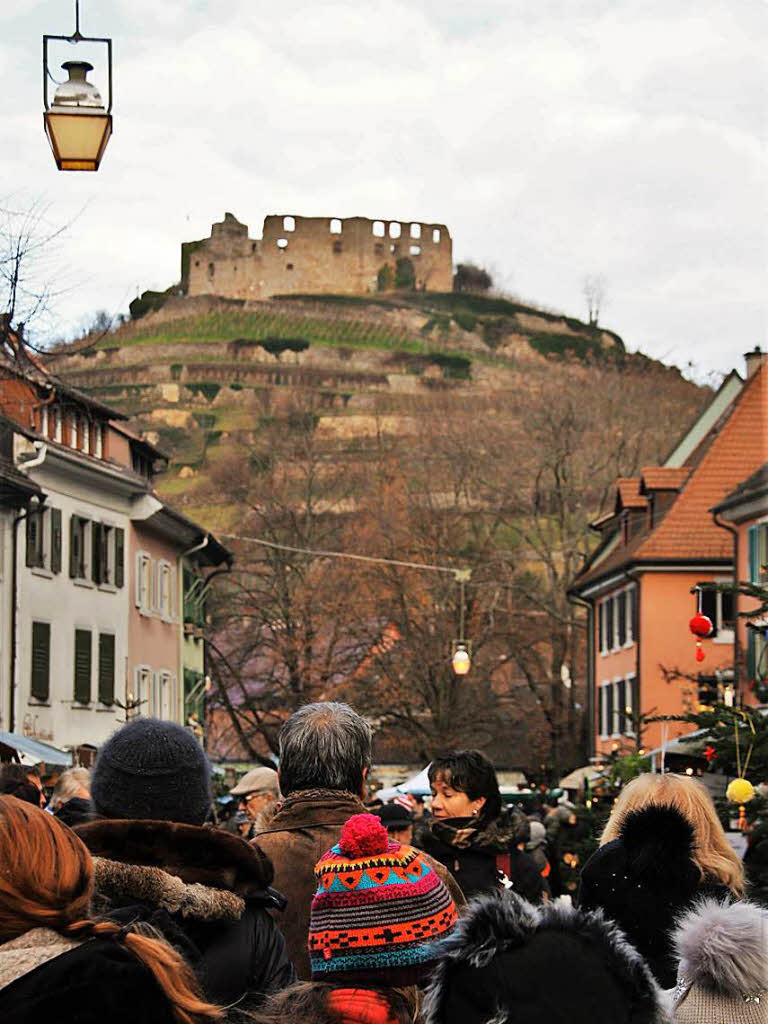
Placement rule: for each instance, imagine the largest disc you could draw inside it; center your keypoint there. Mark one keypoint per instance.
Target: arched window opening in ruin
(378, 228)
(211, 269)
(337, 246)
(282, 243)
(289, 224)
(197, 263)
(395, 229)
(436, 235)
(336, 226)
(289, 266)
(415, 230)
(254, 246)
(394, 249)
(415, 250)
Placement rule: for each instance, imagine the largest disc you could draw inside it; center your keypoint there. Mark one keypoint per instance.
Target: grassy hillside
(205, 376)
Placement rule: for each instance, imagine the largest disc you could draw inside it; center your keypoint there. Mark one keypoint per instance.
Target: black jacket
(476, 862)
(644, 880)
(75, 812)
(98, 982)
(207, 891)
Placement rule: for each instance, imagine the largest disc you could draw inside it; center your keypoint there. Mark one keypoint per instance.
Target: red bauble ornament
(700, 625)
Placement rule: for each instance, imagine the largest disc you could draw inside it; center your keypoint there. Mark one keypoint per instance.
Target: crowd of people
(122, 898)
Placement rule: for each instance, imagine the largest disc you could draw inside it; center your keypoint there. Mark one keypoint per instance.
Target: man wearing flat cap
(257, 793)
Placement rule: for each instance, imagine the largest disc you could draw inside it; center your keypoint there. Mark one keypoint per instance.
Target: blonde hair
(712, 854)
(69, 784)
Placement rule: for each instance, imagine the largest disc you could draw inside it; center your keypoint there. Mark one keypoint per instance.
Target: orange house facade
(745, 509)
(657, 544)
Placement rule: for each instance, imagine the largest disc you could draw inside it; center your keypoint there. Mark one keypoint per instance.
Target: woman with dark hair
(58, 963)
(480, 842)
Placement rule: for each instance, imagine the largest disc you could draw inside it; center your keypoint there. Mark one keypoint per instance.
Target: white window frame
(629, 679)
(602, 713)
(99, 452)
(44, 421)
(164, 695)
(58, 424)
(87, 549)
(632, 588)
(143, 594)
(724, 633)
(72, 425)
(142, 680)
(165, 572)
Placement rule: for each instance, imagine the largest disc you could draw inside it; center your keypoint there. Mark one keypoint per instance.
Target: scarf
(359, 1006)
(495, 836)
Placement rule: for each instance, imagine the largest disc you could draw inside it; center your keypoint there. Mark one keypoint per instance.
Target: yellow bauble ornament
(740, 791)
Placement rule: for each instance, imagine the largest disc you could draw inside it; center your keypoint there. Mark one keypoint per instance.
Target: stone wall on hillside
(305, 255)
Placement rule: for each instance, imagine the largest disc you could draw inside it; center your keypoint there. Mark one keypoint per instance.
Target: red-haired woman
(58, 964)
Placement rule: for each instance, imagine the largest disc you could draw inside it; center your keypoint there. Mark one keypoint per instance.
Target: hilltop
(201, 371)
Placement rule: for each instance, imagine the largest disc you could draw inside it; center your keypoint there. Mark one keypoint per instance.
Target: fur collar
(118, 884)
(723, 947)
(501, 923)
(314, 807)
(23, 954)
(197, 856)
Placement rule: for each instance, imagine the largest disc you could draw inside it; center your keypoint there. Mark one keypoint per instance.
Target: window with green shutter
(107, 668)
(83, 666)
(41, 661)
(119, 557)
(97, 563)
(35, 556)
(78, 534)
(55, 540)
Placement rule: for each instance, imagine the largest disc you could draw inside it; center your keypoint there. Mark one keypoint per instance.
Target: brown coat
(308, 824)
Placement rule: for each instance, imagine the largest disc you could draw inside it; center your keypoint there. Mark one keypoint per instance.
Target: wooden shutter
(83, 666)
(75, 537)
(55, 540)
(97, 567)
(41, 660)
(754, 552)
(33, 539)
(106, 668)
(119, 557)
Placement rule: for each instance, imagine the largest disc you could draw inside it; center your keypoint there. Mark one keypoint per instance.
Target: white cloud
(555, 139)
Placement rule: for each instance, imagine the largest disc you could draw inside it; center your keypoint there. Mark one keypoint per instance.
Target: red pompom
(700, 625)
(362, 836)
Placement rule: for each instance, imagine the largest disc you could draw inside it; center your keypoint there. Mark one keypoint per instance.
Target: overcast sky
(555, 138)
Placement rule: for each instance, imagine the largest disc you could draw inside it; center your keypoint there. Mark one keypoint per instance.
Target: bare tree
(594, 289)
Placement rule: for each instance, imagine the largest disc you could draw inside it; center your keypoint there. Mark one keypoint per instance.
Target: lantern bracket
(77, 37)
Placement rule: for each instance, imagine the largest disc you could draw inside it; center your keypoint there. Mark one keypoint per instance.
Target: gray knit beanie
(152, 770)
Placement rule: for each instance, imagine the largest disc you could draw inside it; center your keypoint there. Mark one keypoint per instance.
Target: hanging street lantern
(461, 649)
(461, 659)
(78, 123)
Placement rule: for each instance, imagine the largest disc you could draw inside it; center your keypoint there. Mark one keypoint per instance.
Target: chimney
(755, 360)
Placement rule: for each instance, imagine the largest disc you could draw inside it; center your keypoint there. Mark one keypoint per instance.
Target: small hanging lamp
(78, 123)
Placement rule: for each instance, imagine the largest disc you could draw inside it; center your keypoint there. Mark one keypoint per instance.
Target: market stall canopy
(34, 750)
(417, 784)
(577, 778)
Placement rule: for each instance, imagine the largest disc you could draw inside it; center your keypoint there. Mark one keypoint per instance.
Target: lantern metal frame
(78, 37)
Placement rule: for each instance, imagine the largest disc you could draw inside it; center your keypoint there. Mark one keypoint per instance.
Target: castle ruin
(304, 255)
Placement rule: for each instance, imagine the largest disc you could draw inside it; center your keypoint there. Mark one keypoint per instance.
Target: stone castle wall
(304, 255)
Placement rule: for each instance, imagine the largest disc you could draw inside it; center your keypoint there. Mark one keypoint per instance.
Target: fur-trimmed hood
(659, 842)
(508, 960)
(723, 947)
(199, 873)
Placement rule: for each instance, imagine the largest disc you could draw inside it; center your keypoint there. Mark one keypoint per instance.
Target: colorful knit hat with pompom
(378, 911)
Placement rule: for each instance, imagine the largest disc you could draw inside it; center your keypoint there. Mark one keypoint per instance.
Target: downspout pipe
(736, 647)
(33, 463)
(636, 638)
(590, 710)
(180, 590)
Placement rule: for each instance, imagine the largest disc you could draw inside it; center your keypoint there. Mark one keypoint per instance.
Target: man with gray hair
(325, 757)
